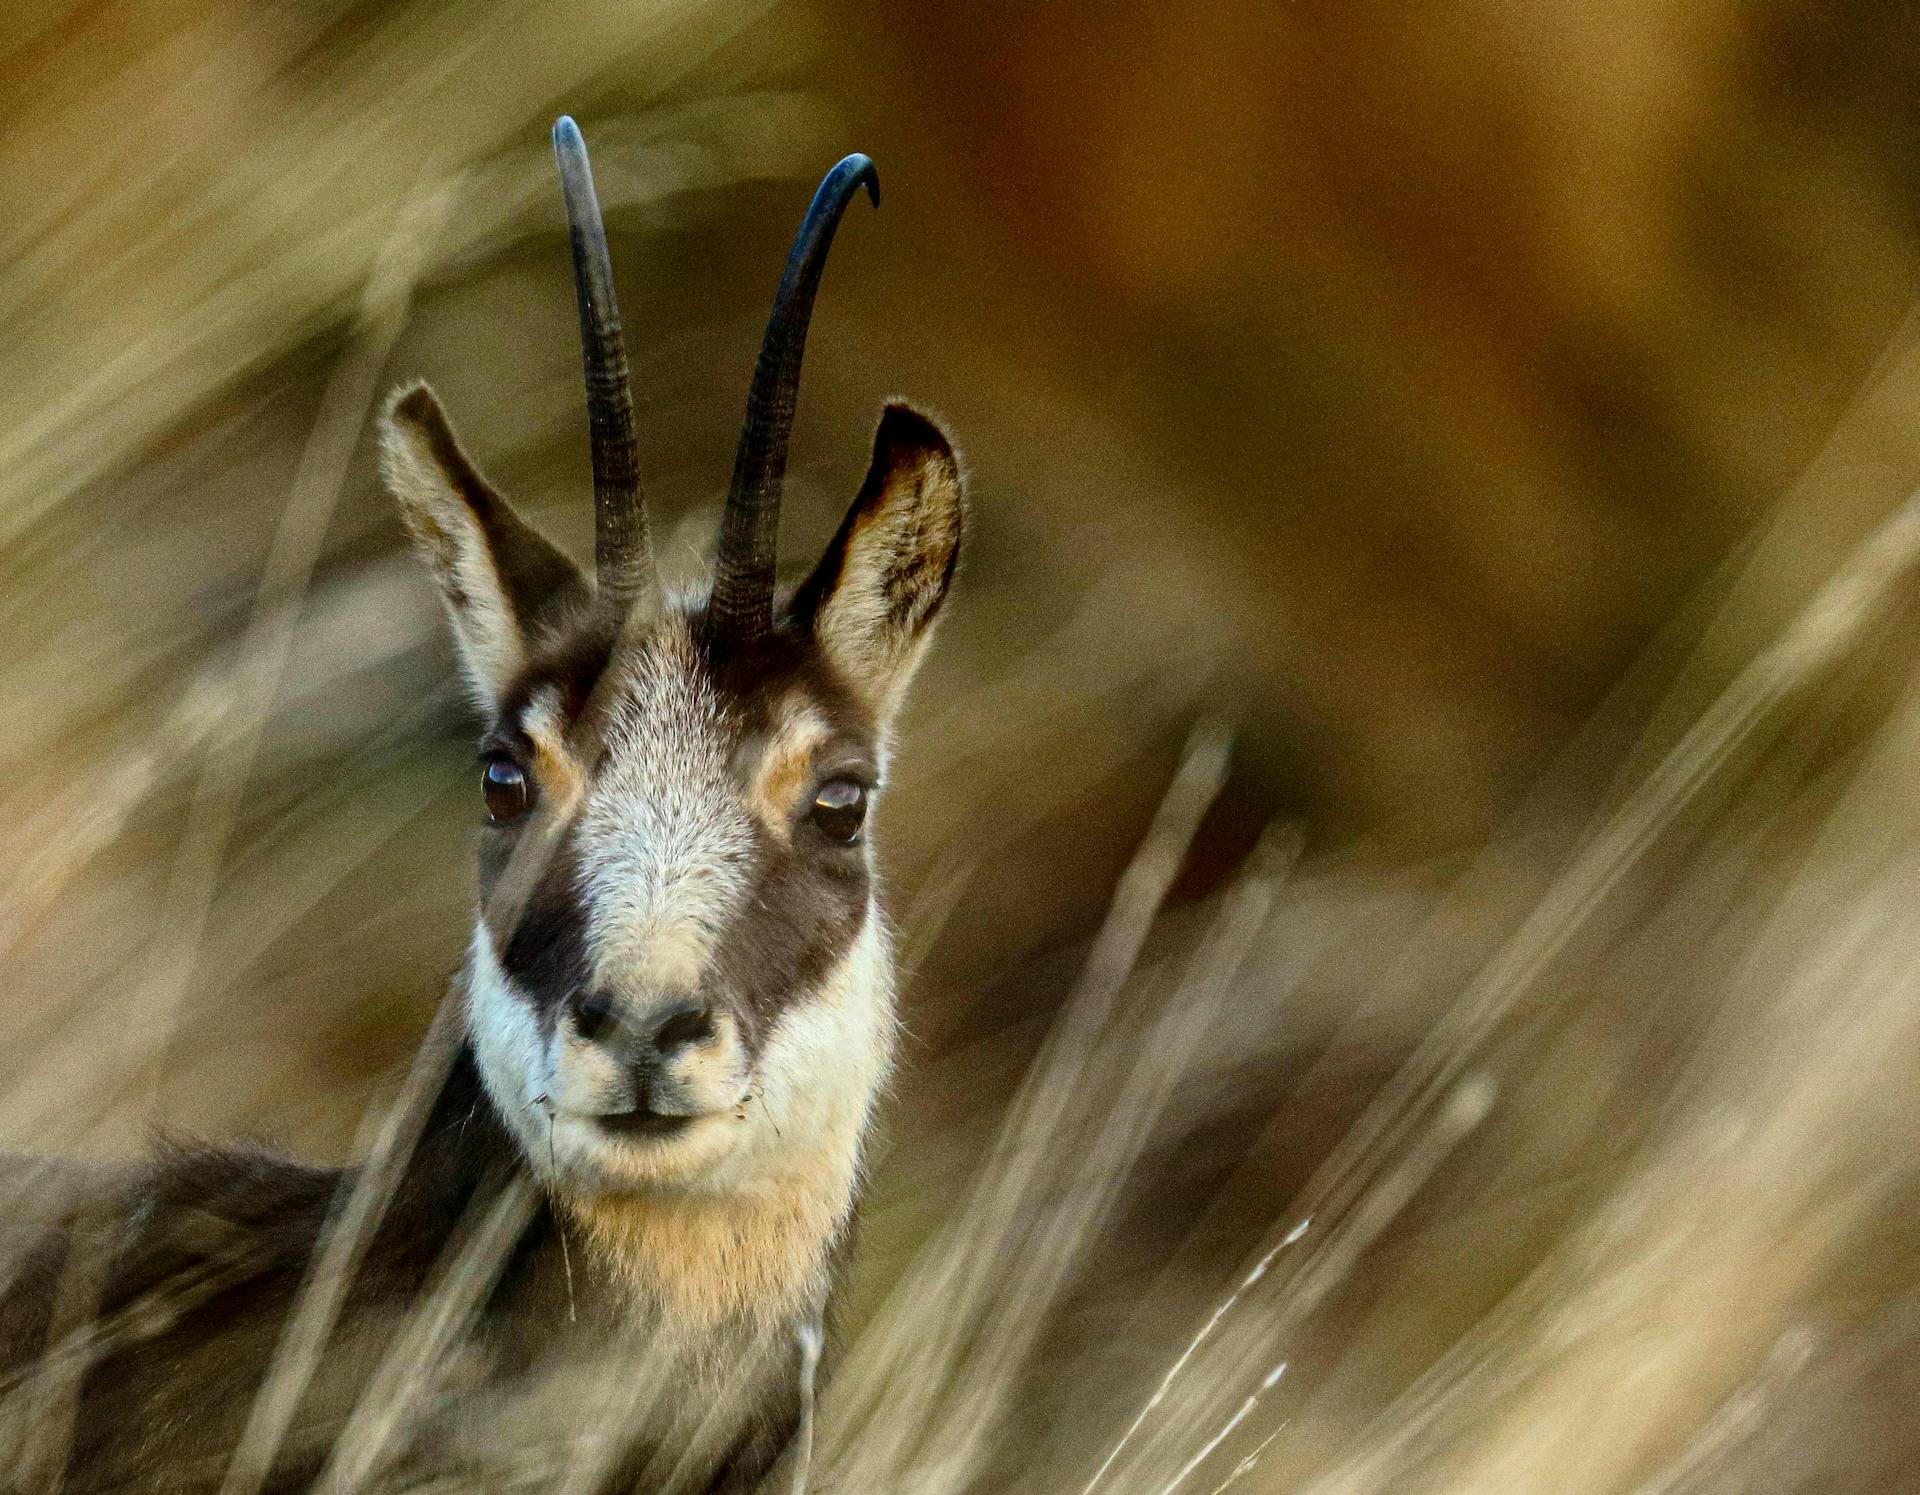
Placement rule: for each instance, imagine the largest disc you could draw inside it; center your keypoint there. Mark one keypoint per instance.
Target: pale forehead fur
(666, 830)
(666, 845)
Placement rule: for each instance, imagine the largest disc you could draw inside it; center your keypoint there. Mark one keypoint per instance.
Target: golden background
(1492, 415)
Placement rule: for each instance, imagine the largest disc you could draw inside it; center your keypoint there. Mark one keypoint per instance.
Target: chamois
(603, 1257)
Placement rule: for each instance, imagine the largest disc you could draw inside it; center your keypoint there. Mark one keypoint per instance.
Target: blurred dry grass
(1477, 405)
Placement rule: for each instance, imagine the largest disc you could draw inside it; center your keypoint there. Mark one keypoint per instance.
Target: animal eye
(508, 791)
(840, 809)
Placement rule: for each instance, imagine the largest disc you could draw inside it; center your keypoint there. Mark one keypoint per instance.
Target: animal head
(679, 980)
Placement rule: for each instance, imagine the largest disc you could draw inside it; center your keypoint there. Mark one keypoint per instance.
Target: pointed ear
(871, 601)
(500, 578)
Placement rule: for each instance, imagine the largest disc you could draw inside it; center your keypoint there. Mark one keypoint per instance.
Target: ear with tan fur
(499, 577)
(872, 600)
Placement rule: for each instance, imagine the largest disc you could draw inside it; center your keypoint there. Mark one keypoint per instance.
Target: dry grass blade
(391, 1136)
(413, 1362)
(1275, 1306)
(965, 1270)
(279, 601)
(355, 130)
(1829, 625)
(811, 1342)
(1344, 1197)
(1248, 1464)
(1768, 1174)
(1194, 1346)
(1241, 1413)
(45, 1405)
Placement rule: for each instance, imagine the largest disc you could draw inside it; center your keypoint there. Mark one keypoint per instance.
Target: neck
(704, 1260)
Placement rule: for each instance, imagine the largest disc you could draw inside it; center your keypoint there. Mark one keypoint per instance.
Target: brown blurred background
(1429, 392)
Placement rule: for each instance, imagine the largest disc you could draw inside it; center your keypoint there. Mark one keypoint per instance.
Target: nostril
(592, 1016)
(683, 1029)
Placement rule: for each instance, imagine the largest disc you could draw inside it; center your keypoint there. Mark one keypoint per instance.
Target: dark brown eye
(839, 810)
(508, 791)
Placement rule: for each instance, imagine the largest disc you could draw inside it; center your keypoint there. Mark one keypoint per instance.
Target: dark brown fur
(202, 1254)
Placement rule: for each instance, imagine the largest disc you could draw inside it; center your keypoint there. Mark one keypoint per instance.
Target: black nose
(594, 1017)
(669, 1028)
(681, 1026)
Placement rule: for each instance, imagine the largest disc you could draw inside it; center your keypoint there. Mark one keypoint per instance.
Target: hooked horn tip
(865, 174)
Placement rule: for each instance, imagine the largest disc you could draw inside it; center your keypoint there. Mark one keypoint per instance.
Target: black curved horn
(622, 553)
(741, 607)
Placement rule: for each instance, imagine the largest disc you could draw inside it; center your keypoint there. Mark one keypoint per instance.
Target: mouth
(644, 1124)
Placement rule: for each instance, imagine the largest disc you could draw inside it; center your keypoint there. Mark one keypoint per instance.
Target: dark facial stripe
(808, 906)
(546, 955)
